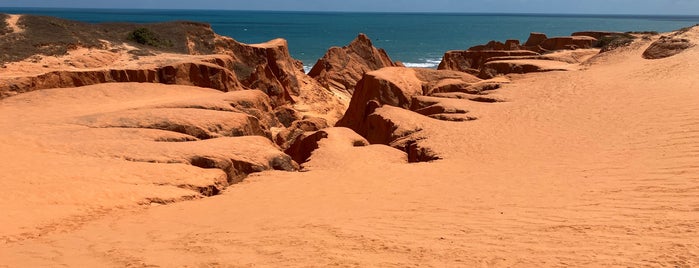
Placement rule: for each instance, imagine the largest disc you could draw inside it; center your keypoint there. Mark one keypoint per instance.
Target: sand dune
(594, 167)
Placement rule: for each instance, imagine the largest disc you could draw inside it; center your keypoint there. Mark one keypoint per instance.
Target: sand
(12, 20)
(594, 167)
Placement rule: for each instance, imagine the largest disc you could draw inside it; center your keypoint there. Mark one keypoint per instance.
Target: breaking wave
(426, 63)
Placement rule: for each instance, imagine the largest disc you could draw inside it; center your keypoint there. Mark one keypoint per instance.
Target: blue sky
(688, 7)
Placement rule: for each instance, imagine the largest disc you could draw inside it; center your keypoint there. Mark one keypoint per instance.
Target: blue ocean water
(417, 39)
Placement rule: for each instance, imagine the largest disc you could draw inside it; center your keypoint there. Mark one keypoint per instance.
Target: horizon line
(371, 12)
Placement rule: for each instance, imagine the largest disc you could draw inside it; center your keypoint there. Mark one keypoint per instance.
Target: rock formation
(535, 39)
(185, 53)
(288, 136)
(406, 88)
(472, 61)
(667, 46)
(568, 42)
(520, 66)
(179, 53)
(194, 73)
(233, 100)
(267, 67)
(509, 55)
(342, 67)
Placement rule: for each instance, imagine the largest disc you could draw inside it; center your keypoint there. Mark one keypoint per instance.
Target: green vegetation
(147, 37)
(614, 41)
(644, 32)
(686, 29)
(4, 28)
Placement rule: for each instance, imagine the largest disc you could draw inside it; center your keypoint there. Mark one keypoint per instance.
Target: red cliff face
(267, 67)
(196, 73)
(342, 67)
(568, 42)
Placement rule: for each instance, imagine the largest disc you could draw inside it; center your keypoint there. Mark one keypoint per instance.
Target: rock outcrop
(194, 73)
(568, 42)
(182, 53)
(335, 147)
(288, 136)
(535, 39)
(342, 67)
(267, 67)
(521, 66)
(185, 53)
(667, 46)
(507, 57)
(472, 61)
(399, 87)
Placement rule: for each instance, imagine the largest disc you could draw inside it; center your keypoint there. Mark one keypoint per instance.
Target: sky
(652, 7)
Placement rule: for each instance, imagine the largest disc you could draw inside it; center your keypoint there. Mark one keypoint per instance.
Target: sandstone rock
(270, 68)
(666, 46)
(237, 157)
(500, 67)
(399, 129)
(535, 39)
(342, 67)
(252, 102)
(199, 123)
(334, 147)
(475, 59)
(267, 67)
(397, 86)
(306, 143)
(472, 61)
(200, 74)
(88, 54)
(568, 42)
(289, 135)
(286, 115)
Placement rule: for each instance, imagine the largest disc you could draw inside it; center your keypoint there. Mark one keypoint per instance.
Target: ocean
(416, 39)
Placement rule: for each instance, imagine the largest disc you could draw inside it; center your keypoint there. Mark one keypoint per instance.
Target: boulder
(666, 46)
(342, 67)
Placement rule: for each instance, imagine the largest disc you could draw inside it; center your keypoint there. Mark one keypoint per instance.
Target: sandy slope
(593, 168)
(12, 22)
